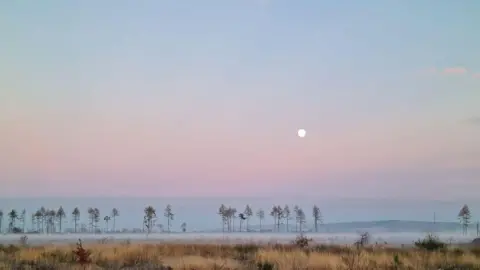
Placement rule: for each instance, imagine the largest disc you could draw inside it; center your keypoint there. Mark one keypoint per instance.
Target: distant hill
(370, 226)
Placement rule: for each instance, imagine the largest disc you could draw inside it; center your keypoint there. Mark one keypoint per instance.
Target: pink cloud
(454, 70)
(476, 75)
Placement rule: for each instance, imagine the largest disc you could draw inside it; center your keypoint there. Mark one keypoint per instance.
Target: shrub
(430, 243)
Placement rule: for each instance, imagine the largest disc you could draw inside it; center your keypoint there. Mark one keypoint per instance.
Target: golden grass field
(210, 256)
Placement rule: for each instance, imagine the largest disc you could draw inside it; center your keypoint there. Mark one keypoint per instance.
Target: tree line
(281, 216)
(45, 220)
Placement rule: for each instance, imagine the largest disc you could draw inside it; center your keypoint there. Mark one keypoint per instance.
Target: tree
(464, 216)
(277, 213)
(50, 216)
(317, 217)
(149, 218)
(169, 215)
(21, 218)
(295, 211)
(94, 217)
(231, 215)
(261, 216)
(43, 218)
(76, 217)
(222, 212)
(13, 216)
(115, 214)
(286, 216)
(1, 220)
(106, 219)
(60, 216)
(184, 227)
(248, 212)
(301, 219)
(39, 221)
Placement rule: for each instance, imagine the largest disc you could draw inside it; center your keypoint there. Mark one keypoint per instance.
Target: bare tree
(169, 215)
(464, 216)
(115, 214)
(60, 216)
(149, 218)
(317, 217)
(184, 227)
(106, 219)
(76, 217)
(248, 212)
(261, 217)
(286, 216)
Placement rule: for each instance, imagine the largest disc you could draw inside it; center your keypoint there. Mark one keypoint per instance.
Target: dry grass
(211, 256)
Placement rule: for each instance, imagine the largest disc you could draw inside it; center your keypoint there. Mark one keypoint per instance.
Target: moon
(301, 133)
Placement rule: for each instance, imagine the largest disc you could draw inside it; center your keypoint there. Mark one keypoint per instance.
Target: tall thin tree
(317, 217)
(1, 220)
(248, 212)
(464, 216)
(60, 217)
(286, 216)
(106, 219)
(169, 215)
(261, 217)
(149, 218)
(76, 217)
(115, 214)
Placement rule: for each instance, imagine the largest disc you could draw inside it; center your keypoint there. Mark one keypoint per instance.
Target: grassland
(299, 255)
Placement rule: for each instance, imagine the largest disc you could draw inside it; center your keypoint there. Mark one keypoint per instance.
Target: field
(300, 254)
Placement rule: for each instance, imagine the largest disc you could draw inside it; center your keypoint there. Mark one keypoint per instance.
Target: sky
(204, 98)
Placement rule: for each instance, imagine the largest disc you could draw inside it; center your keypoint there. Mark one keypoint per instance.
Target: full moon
(301, 133)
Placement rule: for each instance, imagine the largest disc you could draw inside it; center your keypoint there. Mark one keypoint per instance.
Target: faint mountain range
(367, 226)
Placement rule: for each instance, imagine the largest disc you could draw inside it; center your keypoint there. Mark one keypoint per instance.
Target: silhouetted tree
(231, 214)
(21, 218)
(317, 217)
(286, 216)
(60, 216)
(51, 215)
(295, 211)
(169, 215)
(242, 218)
(76, 217)
(115, 214)
(1, 220)
(149, 218)
(222, 212)
(261, 217)
(106, 219)
(301, 219)
(277, 213)
(33, 222)
(248, 212)
(43, 218)
(13, 216)
(464, 216)
(184, 227)
(39, 221)
(94, 216)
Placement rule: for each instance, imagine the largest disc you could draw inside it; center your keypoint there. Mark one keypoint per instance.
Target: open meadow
(300, 253)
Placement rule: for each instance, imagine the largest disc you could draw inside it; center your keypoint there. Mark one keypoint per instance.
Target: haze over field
(198, 103)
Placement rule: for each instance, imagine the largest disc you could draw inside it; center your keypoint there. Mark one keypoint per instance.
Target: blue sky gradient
(205, 97)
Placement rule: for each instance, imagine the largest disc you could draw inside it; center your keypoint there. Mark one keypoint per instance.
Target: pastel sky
(203, 98)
